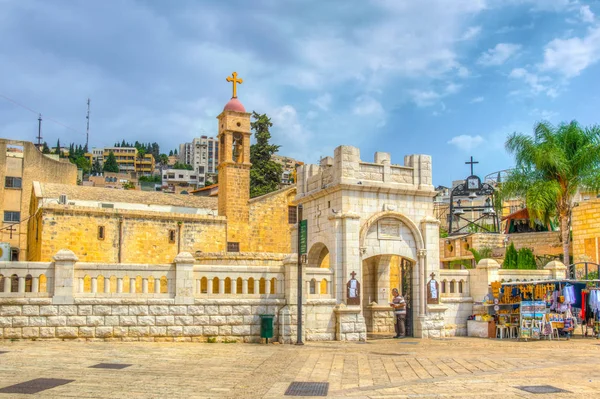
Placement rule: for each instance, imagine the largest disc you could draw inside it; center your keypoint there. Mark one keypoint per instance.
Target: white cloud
(571, 56)
(424, 98)
(586, 14)
(543, 114)
(323, 101)
(472, 32)
(477, 100)
(466, 142)
(367, 106)
(537, 84)
(499, 54)
(452, 88)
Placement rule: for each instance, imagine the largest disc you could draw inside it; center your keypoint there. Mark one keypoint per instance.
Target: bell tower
(234, 170)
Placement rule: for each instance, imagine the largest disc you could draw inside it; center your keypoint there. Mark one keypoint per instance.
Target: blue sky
(449, 78)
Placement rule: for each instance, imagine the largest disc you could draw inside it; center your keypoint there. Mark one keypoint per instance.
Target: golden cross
(233, 78)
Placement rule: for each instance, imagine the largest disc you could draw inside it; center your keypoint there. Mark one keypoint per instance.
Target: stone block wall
(319, 320)
(455, 317)
(137, 319)
(271, 229)
(129, 236)
(350, 324)
(542, 243)
(586, 231)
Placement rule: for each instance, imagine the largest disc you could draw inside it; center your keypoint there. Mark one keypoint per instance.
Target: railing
(319, 282)
(257, 281)
(454, 283)
(26, 279)
(509, 275)
(101, 279)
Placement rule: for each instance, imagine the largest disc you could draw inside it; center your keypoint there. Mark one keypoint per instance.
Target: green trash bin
(266, 326)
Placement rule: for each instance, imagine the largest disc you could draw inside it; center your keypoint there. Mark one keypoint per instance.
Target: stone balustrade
(319, 283)
(246, 281)
(142, 280)
(25, 279)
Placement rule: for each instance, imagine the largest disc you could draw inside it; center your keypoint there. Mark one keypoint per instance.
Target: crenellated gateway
(372, 222)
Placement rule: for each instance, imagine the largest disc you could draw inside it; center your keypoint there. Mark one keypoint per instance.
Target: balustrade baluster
(106, 285)
(267, 286)
(35, 284)
(157, 286)
(221, 286)
(119, 285)
(245, 286)
(145, 285)
(6, 283)
(234, 286)
(209, 286)
(256, 286)
(132, 285)
(81, 284)
(21, 284)
(94, 285)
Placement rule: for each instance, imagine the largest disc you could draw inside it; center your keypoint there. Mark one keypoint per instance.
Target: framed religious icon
(353, 291)
(433, 297)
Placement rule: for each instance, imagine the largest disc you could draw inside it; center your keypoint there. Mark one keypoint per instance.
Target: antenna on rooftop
(87, 130)
(39, 136)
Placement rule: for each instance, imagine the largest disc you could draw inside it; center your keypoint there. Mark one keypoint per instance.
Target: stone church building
(223, 262)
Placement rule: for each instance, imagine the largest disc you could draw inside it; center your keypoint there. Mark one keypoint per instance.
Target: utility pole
(300, 282)
(39, 137)
(87, 130)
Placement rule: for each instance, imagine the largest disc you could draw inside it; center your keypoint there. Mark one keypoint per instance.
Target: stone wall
(270, 227)
(131, 319)
(129, 236)
(586, 231)
(542, 243)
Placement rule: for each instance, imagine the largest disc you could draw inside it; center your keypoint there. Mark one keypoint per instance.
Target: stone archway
(318, 256)
(388, 239)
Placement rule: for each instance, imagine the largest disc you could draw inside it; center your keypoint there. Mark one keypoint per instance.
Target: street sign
(303, 236)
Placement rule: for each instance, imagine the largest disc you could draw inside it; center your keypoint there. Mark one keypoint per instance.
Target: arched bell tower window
(237, 147)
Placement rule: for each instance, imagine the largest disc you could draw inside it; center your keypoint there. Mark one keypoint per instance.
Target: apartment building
(129, 160)
(202, 155)
(20, 164)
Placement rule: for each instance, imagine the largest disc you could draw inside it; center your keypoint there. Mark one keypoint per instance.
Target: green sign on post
(303, 236)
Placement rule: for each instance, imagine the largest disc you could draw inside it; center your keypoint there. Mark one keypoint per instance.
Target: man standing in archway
(399, 305)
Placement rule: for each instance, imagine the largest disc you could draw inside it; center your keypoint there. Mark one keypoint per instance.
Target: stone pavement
(410, 368)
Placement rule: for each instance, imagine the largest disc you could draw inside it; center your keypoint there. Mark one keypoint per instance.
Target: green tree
(171, 153)
(182, 166)
(82, 163)
(483, 253)
(45, 149)
(110, 164)
(163, 159)
(57, 151)
(265, 174)
(96, 168)
(550, 167)
(510, 257)
(526, 259)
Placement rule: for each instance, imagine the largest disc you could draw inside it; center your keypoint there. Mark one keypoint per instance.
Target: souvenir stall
(546, 309)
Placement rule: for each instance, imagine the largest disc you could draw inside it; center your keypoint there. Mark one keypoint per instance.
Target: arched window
(452, 283)
(460, 287)
(444, 287)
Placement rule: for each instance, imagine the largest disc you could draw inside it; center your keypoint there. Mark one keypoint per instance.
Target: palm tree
(551, 167)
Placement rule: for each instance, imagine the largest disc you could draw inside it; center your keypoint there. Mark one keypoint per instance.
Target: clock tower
(234, 170)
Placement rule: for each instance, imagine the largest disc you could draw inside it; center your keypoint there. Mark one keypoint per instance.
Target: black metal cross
(11, 229)
(432, 275)
(471, 162)
(353, 274)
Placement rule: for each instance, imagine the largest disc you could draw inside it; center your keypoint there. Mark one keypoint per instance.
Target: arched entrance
(391, 247)
(381, 274)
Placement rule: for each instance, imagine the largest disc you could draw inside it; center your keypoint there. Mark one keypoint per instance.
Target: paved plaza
(410, 368)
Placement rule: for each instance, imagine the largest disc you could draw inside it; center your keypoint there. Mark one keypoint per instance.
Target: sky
(447, 78)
